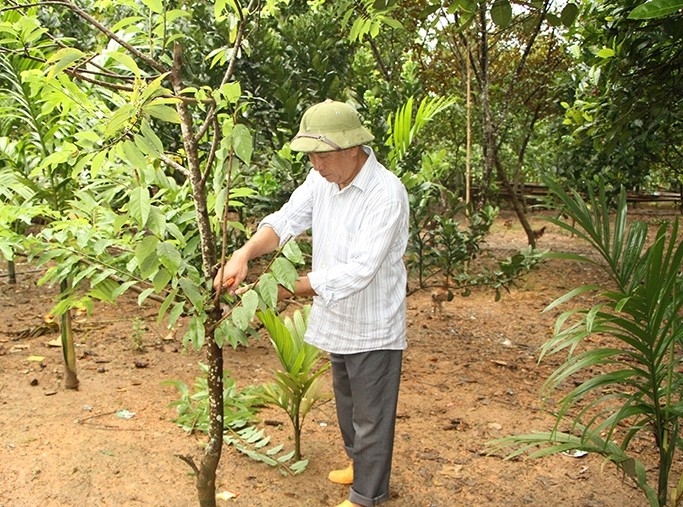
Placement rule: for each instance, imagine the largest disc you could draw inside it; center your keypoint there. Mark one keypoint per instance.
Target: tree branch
(229, 71)
(80, 12)
(175, 165)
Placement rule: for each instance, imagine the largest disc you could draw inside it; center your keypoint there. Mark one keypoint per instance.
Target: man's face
(336, 166)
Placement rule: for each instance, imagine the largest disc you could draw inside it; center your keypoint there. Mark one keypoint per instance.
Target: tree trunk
(487, 119)
(68, 349)
(11, 272)
(206, 478)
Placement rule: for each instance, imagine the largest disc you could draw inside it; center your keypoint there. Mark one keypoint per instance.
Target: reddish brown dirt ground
(470, 375)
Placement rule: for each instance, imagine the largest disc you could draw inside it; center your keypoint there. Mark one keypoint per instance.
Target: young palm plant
(298, 387)
(638, 384)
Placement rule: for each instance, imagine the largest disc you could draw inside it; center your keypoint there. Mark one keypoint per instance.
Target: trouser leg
(366, 393)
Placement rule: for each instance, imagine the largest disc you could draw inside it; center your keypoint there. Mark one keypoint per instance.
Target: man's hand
(230, 275)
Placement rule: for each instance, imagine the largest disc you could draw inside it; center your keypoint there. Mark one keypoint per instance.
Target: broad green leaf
(125, 61)
(230, 92)
(162, 112)
(145, 254)
(119, 120)
(267, 289)
(139, 205)
(284, 272)
(150, 137)
(104, 290)
(62, 59)
(656, 9)
(126, 22)
(292, 252)
(161, 279)
(175, 313)
(156, 6)
(192, 293)
(144, 295)
(250, 302)
(241, 317)
(569, 14)
(133, 155)
(195, 333)
(242, 143)
(156, 222)
(606, 53)
(169, 256)
(501, 13)
(226, 332)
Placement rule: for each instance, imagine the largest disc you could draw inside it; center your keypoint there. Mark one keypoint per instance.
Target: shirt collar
(366, 176)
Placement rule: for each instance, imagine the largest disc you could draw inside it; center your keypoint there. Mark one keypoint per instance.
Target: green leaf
(150, 138)
(170, 299)
(231, 92)
(139, 205)
(228, 333)
(146, 256)
(656, 9)
(119, 120)
(133, 155)
(162, 112)
(169, 256)
(250, 301)
(569, 14)
(63, 59)
(284, 272)
(241, 317)
(125, 61)
(144, 295)
(161, 279)
(293, 253)
(267, 289)
(192, 292)
(156, 6)
(126, 22)
(195, 333)
(501, 13)
(606, 53)
(242, 143)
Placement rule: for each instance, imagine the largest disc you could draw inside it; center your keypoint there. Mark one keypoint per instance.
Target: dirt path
(470, 375)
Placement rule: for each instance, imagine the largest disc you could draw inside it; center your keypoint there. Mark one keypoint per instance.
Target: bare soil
(470, 375)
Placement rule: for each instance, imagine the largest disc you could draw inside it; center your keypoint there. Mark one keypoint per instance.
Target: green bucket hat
(330, 126)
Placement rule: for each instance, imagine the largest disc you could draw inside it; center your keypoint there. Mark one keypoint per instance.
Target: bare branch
(212, 152)
(175, 165)
(190, 461)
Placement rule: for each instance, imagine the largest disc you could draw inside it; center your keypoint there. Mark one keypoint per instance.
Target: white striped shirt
(359, 236)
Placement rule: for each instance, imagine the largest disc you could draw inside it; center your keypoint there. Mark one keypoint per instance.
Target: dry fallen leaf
(226, 495)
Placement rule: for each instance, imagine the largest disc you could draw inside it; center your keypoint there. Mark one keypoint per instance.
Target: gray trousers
(366, 395)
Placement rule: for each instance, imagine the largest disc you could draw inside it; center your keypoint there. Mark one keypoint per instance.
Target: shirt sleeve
(294, 217)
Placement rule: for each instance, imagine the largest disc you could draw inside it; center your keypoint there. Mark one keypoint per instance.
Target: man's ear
(353, 151)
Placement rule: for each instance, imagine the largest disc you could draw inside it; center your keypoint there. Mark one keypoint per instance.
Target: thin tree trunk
(68, 348)
(206, 478)
(489, 143)
(11, 272)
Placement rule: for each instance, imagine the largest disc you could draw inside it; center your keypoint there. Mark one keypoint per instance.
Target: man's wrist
(284, 292)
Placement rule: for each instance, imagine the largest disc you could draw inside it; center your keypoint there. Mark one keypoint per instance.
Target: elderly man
(357, 212)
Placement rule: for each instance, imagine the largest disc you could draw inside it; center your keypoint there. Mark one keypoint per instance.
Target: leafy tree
(127, 224)
(625, 107)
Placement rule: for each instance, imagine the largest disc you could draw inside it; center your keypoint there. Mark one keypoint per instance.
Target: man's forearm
(264, 241)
